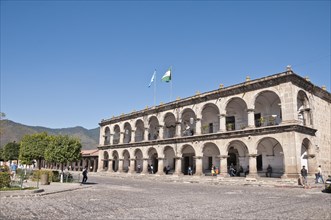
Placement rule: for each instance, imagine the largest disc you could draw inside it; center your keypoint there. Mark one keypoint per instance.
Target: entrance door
(186, 164)
(210, 162)
(259, 165)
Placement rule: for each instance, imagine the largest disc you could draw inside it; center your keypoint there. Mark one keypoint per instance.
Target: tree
(33, 148)
(1, 151)
(11, 151)
(63, 149)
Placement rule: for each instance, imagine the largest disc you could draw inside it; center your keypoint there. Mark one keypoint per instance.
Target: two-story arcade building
(282, 120)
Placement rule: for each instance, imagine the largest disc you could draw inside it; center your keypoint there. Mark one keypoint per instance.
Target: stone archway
(267, 109)
(237, 156)
(270, 152)
(105, 165)
(307, 157)
(169, 157)
(153, 159)
(169, 129)
(126, 160)
(140, 130)
(236, 114)
(188, 154)
(139, 162)
(210, 119)
(210, 157)
(115, 161)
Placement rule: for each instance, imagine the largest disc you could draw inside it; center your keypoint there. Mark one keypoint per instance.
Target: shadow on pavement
(89, 183)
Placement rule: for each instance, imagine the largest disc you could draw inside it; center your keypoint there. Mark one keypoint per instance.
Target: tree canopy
(63, 149)
(33, 147)
(10, 151)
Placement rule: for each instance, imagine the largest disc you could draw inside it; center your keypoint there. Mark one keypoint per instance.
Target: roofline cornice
(261, 83)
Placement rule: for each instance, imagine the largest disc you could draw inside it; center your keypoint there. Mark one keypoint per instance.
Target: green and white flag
(167, 76)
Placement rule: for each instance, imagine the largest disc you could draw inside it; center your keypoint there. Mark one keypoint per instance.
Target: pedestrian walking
(319, 175)
(84, 175)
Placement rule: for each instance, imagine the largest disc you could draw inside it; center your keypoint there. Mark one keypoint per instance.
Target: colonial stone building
(282, 120)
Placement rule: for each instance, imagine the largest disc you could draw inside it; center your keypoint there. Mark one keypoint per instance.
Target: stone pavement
(56, 187)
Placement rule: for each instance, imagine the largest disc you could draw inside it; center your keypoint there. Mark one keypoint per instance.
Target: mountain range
(11, 131)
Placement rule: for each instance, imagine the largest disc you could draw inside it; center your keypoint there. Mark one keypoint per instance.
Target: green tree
(63, 149)
(33, 148)
(11, 151)
(1, 151)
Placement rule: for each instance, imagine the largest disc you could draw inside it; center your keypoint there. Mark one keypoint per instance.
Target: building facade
(282, 120)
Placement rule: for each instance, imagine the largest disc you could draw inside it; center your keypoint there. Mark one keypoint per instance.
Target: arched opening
(116, 138)
(126, 160)
(210, 157)
(107, 136)
(238, 159)
(127, 133)
(139, 161)
(267, 109)
(236, 114)
(210, 119)
(169, 129)
(153, 133)
(188, 124)
(188, 154)
(270, 152)
(169, 158)
(307, 157)
(115, 161)
(105, 160)
(153, 161)
(140, 131)
(304, 113)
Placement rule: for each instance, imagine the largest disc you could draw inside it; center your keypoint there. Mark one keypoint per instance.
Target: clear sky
(74, 63)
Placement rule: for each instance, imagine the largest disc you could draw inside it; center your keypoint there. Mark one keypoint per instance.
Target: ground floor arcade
(282, 152)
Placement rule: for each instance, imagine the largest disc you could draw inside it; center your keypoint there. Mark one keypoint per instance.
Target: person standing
(304, 175)
(269, 171)
(84, 175)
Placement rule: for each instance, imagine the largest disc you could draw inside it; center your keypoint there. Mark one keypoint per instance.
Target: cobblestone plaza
(109, 197)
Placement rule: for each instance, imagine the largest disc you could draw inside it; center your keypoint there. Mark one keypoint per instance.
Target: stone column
(252, 166)
(110, 166)
(251, 119)
(178, 134)
(95, 164)
(132, 136)
(160, 166)
(120, 165)
(111, 139)
(198, 165)
(222, 123)
(144, 166)
(178, 166)
(161, 130)
(121, 138)
(198, 126)
(146, 134)
(132, 168)
(224, 165)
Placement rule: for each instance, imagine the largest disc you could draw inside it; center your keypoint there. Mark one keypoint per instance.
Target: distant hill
(11, 131)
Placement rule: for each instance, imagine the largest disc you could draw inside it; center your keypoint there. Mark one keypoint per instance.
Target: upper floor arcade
(276, 100)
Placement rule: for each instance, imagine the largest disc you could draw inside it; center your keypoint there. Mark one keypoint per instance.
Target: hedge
(4, 179)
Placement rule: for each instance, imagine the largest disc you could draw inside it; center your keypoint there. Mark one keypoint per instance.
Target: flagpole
(171, 89)
(155, 89)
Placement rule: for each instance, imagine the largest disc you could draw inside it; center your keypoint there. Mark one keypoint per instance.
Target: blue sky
(73, 63)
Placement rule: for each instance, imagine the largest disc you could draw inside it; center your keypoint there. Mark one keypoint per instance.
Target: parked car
(328, 185)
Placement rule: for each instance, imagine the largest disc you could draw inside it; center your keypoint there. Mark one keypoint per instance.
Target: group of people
(234, 172)
(318, 175)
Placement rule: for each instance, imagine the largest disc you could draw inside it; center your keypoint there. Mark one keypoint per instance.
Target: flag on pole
(152, 79)
(167, 76)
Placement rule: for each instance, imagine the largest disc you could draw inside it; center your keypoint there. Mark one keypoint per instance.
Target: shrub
(52, 175)
(4, 179)
(4, 168)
